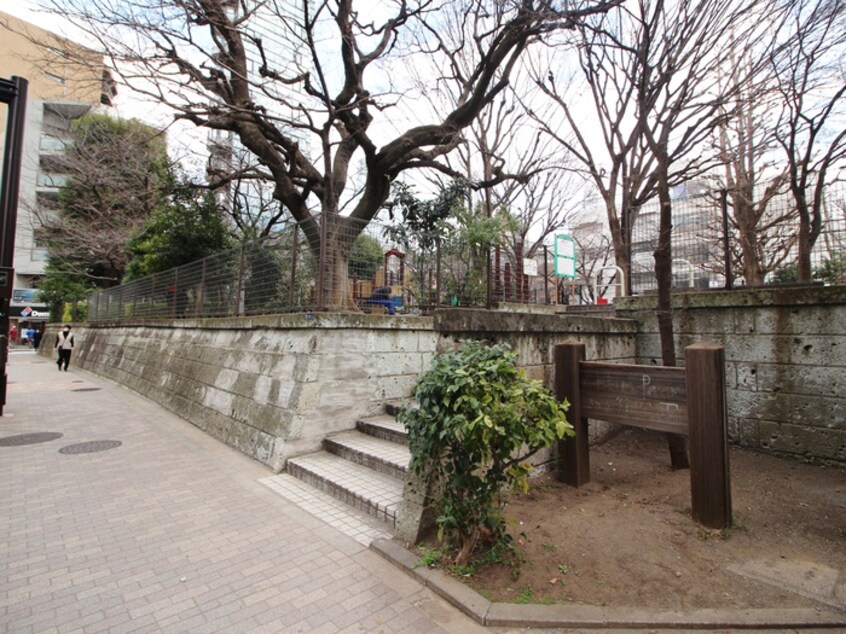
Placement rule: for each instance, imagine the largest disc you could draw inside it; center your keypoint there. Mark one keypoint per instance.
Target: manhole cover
(85, 389)
(29, 439)
(92, 446)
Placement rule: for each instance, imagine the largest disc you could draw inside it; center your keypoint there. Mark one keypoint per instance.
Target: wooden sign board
(687, 401)
(635, 395)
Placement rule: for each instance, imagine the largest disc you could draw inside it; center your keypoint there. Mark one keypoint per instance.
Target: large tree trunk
(747, 223)
(664, 275)
(337, 290)
(805, 242)
(621, 237)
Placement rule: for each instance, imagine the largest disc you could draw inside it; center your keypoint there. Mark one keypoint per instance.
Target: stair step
(371, 451)
(392, 408)
(385, 427)
(375, 493)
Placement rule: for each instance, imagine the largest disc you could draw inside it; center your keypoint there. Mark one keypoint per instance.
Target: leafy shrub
(477, 419)
(786, 274)
(833, 269)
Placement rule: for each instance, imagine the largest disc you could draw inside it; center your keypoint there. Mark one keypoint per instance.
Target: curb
(492, 614)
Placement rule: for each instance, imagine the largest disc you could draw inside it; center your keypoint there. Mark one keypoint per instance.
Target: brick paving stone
(171, 531)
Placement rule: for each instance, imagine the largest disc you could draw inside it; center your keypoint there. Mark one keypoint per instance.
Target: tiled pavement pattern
(171, 531)
(360, 527)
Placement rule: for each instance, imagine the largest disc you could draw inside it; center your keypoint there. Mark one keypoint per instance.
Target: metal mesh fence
(707, 235)
(364, 269)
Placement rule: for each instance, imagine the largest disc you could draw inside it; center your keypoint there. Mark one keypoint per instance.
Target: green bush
(477, 419)
(832, 269)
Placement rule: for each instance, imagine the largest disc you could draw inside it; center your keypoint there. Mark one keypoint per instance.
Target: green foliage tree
(423, 223)
(476, 422)
(366, 258)
(57, 287)
(117, 175)
(463, 235)
(467, 248)
(786, 274)
(832, 269)
(185, 228)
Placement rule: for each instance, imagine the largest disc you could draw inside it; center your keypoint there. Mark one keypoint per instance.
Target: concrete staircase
(364, 468)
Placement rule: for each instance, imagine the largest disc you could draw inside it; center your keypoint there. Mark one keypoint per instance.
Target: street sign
(565, 256)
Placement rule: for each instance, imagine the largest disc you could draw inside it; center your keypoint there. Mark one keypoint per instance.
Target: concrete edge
(491, 614)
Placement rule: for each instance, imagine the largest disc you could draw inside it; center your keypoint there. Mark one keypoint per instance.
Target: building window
(56, 78)
(58, 52)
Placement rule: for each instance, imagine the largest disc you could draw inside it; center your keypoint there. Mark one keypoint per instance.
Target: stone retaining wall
(274, 387)
(785, 356)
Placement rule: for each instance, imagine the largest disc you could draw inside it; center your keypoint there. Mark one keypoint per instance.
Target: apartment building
(66, 81)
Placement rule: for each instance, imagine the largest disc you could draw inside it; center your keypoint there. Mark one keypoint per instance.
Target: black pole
(12, 92)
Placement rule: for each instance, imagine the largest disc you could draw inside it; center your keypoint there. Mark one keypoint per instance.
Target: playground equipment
(622, 281)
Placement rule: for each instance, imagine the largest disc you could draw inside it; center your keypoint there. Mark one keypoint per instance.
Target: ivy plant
(476, 421)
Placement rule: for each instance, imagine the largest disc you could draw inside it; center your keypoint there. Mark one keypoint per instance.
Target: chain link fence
(712, 250)
(364, 269)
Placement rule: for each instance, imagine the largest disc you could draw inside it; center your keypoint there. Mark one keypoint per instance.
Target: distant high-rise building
(66, 81)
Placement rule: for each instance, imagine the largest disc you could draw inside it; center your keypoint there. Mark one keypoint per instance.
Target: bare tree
(806, 62)
(595, 256)
(618, 165)
(755, 181)
(679, 104)
(115, 173)
(509, 166)
(650, 70)
(209, 61)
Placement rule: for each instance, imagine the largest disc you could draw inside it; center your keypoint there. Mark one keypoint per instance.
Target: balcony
(67, 110)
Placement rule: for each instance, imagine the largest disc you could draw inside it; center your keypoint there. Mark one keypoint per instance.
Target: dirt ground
(627, 538)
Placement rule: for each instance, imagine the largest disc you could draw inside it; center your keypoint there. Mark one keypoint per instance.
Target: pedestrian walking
(64, 346)
(36, 338)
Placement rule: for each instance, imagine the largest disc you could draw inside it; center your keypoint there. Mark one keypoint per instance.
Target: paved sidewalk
(170, 531)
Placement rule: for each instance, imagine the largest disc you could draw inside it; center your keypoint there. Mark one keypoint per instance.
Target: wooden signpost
(689, 401)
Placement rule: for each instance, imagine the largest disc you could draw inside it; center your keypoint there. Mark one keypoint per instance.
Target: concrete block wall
(785, 356)
(272, 387)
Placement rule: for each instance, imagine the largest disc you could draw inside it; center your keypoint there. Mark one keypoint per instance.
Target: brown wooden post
(710, 488)
(573, 452)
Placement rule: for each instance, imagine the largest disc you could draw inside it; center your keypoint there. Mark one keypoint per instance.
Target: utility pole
(13, 93)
